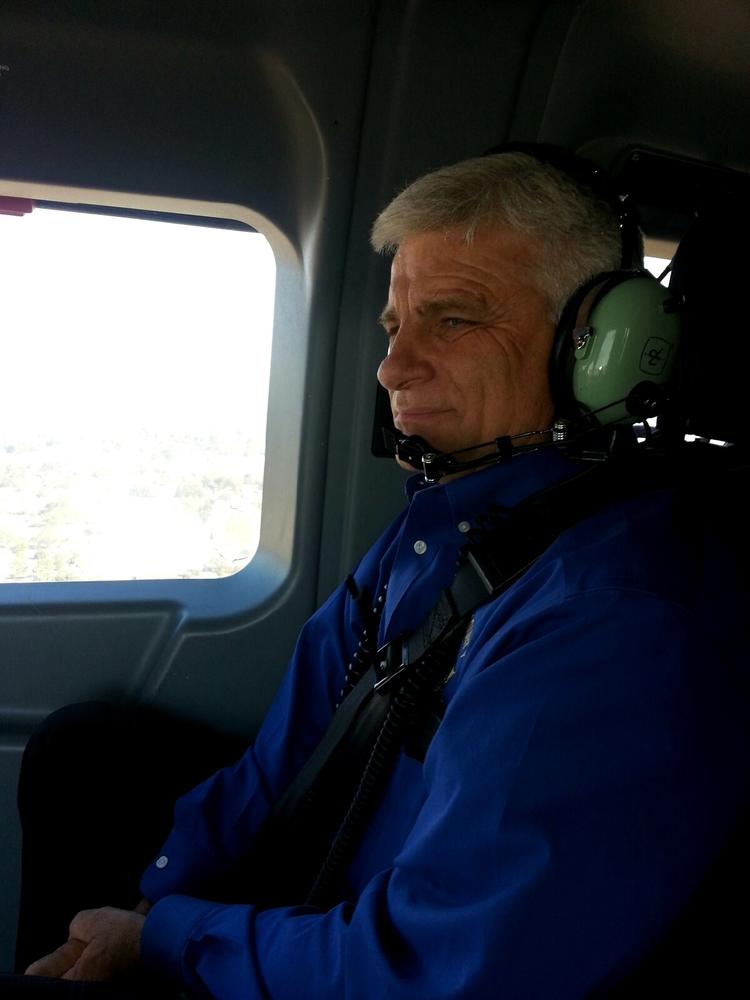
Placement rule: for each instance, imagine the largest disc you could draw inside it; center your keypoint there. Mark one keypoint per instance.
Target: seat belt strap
(490, 565)
(344, 719)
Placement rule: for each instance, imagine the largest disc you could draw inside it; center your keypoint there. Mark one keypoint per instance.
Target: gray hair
(576, 229)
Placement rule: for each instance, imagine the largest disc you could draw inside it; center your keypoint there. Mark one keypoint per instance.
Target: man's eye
(454, 322)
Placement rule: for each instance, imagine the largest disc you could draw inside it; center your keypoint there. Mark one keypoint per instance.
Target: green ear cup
(631, 336)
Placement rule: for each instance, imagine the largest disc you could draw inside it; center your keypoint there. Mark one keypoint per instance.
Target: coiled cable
(412, 696)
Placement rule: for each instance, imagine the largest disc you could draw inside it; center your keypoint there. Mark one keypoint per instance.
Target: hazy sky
(112, 323)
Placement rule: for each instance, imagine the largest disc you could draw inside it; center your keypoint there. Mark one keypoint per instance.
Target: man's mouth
(411, 419)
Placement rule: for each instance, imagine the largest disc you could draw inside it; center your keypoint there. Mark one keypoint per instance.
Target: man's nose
(406, 362)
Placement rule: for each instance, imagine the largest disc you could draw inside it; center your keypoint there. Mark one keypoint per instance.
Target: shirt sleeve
(216, 820)
(583, 779)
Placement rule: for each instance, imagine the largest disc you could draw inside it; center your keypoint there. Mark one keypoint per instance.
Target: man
(592, 756)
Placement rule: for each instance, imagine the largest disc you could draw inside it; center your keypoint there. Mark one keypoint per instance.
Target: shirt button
(463, 527)
(162, 862)
(420, 547)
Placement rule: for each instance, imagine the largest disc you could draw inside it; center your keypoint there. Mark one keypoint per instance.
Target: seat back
(710, 273)
(704, 952)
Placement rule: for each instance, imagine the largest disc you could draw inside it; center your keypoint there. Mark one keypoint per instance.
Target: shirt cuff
(166, 931)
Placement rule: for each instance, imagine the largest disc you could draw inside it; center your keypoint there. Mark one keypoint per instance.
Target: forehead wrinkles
(496, 257)
(435, 268)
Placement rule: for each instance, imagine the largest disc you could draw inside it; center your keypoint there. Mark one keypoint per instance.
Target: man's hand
(103, 944)
(57, 963)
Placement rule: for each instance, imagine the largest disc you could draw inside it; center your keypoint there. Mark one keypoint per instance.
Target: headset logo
(655, 356)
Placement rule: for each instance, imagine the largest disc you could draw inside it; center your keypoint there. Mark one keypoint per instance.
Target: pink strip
(15, 206)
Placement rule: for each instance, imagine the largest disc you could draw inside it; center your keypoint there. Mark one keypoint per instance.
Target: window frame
(270, 567)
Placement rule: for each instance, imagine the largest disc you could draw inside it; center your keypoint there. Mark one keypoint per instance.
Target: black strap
(512, 541)
(342, 723)
(286, 854)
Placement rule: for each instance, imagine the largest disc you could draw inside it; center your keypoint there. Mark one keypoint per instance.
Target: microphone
(435, 464)
(644, 400)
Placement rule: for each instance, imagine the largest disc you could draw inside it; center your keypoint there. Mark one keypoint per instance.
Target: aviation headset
(616, 343)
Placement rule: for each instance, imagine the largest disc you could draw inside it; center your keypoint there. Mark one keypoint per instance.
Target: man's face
(469, 339)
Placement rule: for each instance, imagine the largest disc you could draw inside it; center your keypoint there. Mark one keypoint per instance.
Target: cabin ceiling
(596, 75)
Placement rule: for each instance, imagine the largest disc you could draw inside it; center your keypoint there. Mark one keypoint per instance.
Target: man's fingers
(111, 940)
(103, 944)
(59, 961)
(74, 974)
(86, 922)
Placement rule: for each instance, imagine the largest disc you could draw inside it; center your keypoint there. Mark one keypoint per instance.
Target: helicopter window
(136, 356)
(657, 255)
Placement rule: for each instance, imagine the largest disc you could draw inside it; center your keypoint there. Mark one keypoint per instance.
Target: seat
(710, 273)
(704, 952)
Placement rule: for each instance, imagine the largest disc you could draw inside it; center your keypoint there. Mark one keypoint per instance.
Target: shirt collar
(422, 557)
(506, 483)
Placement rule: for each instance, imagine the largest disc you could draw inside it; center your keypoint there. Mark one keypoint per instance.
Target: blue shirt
(592, 758)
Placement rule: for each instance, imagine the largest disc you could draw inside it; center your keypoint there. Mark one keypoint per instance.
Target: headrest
(711, 270)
